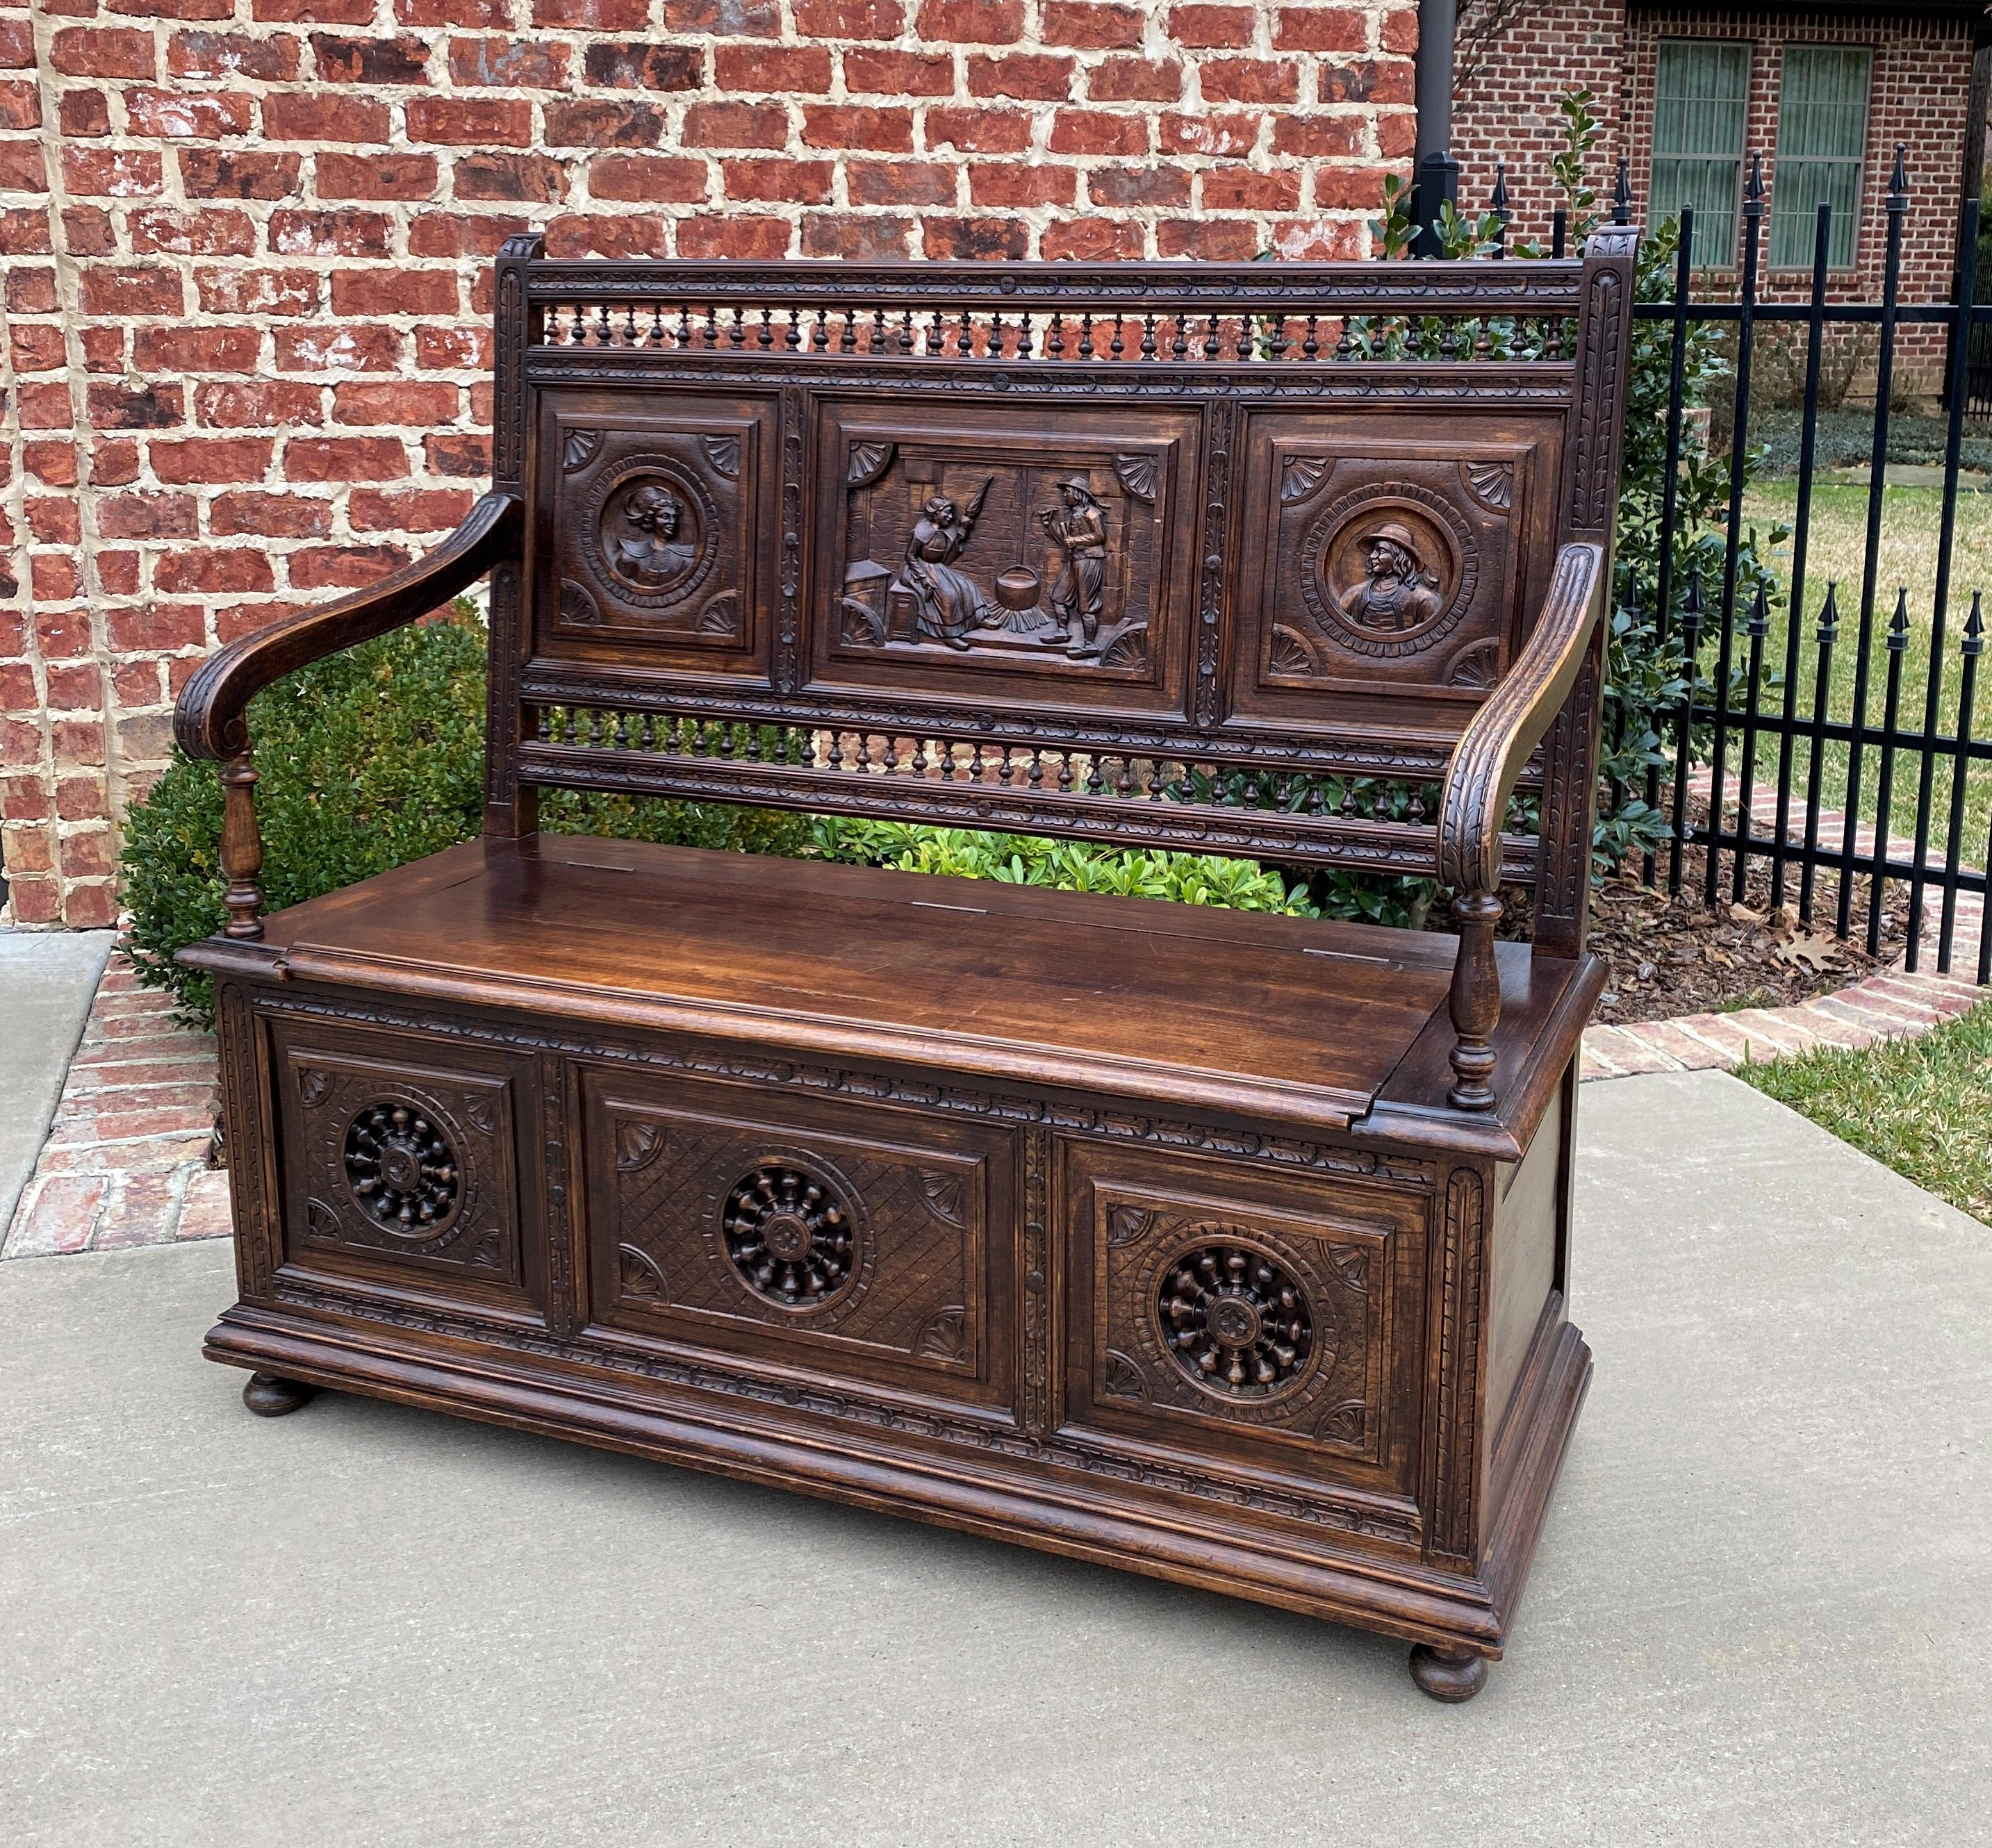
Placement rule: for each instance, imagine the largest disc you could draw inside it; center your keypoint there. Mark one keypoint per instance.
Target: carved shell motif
(1292, 654)
(638, 1144)
(942, 1195)
(868, 461)
(1137, 474)
(1301, 476)
(579, 447)
(944, 1335)
(638, 1275)
(723, 453)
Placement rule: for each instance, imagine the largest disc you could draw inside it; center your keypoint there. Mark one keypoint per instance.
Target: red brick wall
(245, 248)
(1506, 111)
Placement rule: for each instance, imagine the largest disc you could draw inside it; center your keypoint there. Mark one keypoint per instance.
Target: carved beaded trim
(404, 1173)
(1234, 1321)
(791, 1236)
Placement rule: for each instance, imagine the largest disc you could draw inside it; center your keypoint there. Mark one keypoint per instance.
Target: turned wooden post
(241, 839)
(1475, 1001)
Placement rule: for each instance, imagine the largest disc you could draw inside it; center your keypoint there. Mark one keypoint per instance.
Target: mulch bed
(1668, 956)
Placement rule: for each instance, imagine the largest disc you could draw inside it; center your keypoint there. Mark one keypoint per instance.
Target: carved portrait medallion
(650, 532)
(1388, 570)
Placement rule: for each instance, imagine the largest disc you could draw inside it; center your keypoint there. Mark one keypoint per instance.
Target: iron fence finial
(1753, 194)
(1829, 615)
(1621, 194)
(1899, 181)
(1974, 626)
(1898, 624)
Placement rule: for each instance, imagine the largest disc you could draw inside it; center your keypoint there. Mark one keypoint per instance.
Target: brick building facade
(244, 251)
(1919, 94)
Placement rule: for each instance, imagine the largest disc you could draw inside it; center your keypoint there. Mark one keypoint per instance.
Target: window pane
(1700, 95)
(1822, 131)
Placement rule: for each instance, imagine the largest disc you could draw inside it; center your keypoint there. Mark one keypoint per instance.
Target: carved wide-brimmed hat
(1079, 482)
(1396, 534)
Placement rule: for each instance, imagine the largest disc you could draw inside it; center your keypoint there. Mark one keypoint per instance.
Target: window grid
(1822, 136)
(1700, 104)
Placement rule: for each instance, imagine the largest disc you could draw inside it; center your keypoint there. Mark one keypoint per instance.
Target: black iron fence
(1823, 723)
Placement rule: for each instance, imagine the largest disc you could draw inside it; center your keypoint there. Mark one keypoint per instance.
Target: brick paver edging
(126, 1159)
(1892, 1004)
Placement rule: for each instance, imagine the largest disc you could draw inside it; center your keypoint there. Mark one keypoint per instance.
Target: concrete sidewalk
(1761, 1612)
(47, 981)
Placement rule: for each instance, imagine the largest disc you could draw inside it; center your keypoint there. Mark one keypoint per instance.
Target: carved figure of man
(654, 557)
(1396, 593)
(1078, 526)
(947, 601)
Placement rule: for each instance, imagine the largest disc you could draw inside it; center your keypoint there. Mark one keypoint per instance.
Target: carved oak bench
(1231, 1249)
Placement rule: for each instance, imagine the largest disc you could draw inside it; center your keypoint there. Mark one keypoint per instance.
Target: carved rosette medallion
(403, 1171)
(1226, 1318)
(1387, 569)
(1235, 1320)
(792, 1235)
(650, 532)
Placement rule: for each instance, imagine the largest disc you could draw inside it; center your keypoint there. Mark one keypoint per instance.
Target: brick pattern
(246, 246)
(126, 1159)
(1920, 97)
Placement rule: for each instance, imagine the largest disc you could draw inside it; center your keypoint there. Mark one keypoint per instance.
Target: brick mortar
(138, 226)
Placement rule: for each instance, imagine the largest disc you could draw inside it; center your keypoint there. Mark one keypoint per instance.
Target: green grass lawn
(1910, 526)
(1922, 1106)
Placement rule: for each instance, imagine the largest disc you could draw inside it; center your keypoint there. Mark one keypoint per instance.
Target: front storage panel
(1264, 1320)
(873, 1244)
(401, 1162)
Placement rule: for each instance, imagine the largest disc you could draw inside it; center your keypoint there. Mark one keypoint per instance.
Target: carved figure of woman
(1078, 527)
(654, 558)
(947, 601)
(1396, 593)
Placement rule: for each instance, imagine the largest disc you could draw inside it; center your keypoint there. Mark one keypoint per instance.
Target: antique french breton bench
(1229, 1248)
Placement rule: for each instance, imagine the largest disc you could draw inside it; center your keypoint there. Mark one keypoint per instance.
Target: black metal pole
(1801, 539)
(1895, 205)
(1435, 174)
(1966, 282)
(1725, 643)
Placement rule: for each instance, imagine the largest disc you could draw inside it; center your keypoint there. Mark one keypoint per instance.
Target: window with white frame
(1701, 95)
(1822, 133)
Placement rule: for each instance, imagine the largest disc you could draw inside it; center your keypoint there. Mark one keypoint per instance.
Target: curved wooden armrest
(207, 720)
(1479, 784)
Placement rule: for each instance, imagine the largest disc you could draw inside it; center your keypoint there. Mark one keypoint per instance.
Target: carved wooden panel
(1214, 1313)
(397, 1167)
(1382, 564)
(737, 1221)
(977, 549)
(660, 542)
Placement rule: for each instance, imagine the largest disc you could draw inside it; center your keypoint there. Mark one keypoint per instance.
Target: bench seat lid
(1246, 1014)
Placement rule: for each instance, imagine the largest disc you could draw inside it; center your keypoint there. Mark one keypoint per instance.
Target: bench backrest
(1217, 557)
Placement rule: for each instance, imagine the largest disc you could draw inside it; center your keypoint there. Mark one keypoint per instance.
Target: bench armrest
(208, 717)
(1479, 784)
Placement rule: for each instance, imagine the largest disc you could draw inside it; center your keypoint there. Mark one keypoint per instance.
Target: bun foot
(269, 1397)
(1451, 1675)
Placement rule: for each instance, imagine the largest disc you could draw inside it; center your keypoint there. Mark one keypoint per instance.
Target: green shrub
(1069, 865)
(367, 760)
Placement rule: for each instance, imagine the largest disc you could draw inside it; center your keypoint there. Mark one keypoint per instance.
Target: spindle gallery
(1228, 1248)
